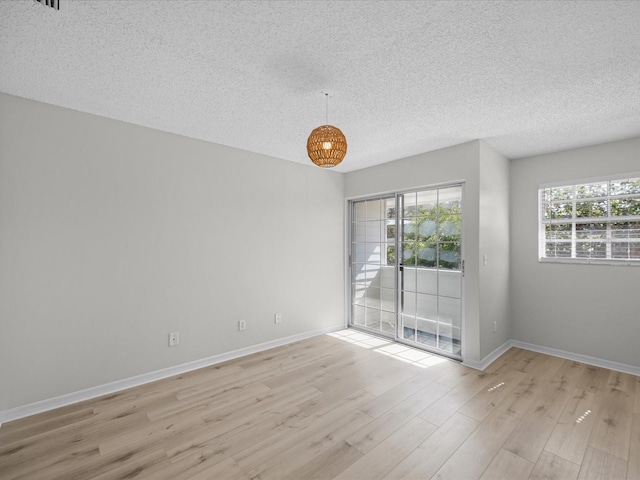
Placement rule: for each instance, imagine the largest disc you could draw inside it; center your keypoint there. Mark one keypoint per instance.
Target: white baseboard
(597, 362)
(93, 392)
(489, 359)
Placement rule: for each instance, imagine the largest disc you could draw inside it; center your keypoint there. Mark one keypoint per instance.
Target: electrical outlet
(242, 325)
(277, 317)
(174, 339)
(495, 326)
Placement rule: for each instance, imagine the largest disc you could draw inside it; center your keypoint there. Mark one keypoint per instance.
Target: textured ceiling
(528, 77)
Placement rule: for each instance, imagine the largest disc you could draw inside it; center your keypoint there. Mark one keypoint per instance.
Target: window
(591, 221)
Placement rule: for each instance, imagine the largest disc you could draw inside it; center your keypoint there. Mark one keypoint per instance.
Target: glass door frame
(401, 267)
(351, 236)
(354, 259)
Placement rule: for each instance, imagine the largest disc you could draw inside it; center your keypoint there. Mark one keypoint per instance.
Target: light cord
(327, 117)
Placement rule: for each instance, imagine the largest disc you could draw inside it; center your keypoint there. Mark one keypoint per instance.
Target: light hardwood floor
(345, 406)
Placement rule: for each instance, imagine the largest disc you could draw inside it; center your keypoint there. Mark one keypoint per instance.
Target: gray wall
(586, 309)
(494, 243)
(113, 235)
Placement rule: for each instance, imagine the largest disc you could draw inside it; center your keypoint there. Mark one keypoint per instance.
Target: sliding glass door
(373, 265)
(430, 269)
(407, 268)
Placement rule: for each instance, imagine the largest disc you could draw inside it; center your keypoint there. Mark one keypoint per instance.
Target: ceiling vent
(55, 4)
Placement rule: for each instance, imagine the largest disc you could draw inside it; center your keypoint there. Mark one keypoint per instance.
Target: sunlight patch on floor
(389, 348)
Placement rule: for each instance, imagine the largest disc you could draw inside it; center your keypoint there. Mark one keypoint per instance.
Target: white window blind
(594, 221)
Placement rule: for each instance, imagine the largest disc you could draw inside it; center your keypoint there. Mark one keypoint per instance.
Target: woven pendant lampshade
(326, 145)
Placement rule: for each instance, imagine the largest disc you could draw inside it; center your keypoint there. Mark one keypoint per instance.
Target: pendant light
(326, 145)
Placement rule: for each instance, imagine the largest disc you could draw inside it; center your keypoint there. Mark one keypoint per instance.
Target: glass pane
(450, 228)
(387, 277)
(560, 231)
(388, 320)
(391, 255)
(359, 272)
(449, 256)
(374, 210)
(409, 254)
(358, 252)
(358, 315)
(372, 272)
(370, 252)
(361, 232)
(390, 208)
(592, 190)
(391, 232)
(622, 250)
(591, 230)
(625, 206)
(427, 255)
(360, 211)
(408, 327)
(409, 228)
(427, 281)
(427, 307)
(449, 310)
(445, 332)
(427, 334)
(450, 201)
(625, 230)
(372, 318)
(408, 303)
(592, 209)
(558, 249)
(561, 193)
(591, 249)
(427, 230)
(387, 299)
(427, 319)
(447, 344)
(372, 268)
(456, 337)
(625, 187)
(449, 324)
(450, 283)
(409, 205)
(373, 232)
(374, 250)
(372, 297)
(409, 279)
(427, 200)
(358, 290)
(557, 210)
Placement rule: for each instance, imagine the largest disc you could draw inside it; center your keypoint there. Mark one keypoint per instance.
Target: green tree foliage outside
(431, 236)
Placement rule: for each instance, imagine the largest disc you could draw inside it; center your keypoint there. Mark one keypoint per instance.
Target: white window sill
(591, 261)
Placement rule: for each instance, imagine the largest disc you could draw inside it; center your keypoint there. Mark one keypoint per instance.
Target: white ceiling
(407, 77)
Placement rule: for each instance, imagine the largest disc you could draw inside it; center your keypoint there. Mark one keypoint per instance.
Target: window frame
(574, 219)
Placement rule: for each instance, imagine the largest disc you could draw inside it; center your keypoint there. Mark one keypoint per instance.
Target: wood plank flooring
(347, 406)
